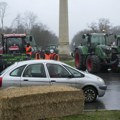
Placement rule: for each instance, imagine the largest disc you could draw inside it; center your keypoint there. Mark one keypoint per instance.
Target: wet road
(111, 99)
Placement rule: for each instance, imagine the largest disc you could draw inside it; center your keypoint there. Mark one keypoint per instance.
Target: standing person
(42, 54)
(53, 55)
(47, 55)
(28, 50)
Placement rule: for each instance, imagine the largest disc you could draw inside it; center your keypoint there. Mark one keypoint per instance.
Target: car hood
(94, 78)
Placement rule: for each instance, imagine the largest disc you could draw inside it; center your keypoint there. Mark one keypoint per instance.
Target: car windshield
(98, 39)
(8, 68)
(12, 41)
(20, 41)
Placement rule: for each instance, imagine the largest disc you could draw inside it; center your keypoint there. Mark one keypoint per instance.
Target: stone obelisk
(63, 28)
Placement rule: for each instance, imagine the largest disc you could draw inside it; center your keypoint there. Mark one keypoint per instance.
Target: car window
(57, 71)
(74, 72)
(34, 70)
(18, 71)
(8, 68)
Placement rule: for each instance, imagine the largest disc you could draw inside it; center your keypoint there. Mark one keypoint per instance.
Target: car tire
(90, 94)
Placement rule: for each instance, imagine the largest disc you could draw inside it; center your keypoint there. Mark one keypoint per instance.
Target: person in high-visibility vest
(28, 50)
(42, 54)
(54, 56)
(47, 55)
(37, 56)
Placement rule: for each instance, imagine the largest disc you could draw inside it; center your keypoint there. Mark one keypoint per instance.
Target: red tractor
(12, 48)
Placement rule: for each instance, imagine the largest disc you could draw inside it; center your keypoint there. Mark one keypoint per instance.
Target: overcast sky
(81, 12)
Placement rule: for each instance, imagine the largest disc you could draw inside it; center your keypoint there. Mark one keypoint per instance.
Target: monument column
(63, 28)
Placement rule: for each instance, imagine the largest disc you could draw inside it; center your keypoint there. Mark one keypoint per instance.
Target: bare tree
(28, 24)
(17, 24)
(16, 21)
(3, 6)
(29, 20)
(93, 27)
(43, 36)
(104, 25)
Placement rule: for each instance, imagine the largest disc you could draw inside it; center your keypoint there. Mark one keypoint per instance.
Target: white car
(48, 72)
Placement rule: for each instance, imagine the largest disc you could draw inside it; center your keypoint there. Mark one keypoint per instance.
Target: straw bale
(39, 102)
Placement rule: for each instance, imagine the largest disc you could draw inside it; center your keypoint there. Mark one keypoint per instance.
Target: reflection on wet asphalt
(111, 99)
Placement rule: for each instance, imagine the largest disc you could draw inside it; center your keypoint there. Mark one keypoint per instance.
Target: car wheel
(90, 94)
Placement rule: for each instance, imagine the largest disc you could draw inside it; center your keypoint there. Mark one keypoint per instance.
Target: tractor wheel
(93, 64)
(79, 60)
(114, 67)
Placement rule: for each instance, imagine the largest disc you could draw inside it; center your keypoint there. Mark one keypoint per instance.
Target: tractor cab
(94, 39)
(15, 43)
(117, 45)
(117, 37)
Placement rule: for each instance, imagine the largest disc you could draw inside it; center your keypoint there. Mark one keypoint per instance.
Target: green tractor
(12, 48)
(54, 47)
(95, 55)
(117, 44)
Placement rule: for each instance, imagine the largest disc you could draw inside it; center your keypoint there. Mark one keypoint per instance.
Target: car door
(59, 74)
(79, 77)
(34, 74)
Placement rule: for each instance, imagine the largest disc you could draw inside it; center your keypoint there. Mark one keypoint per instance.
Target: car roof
(17, 64)
(44, 61)
(38, 61)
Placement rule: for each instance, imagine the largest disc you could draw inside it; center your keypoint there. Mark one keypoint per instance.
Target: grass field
(69, 62)
(94, 115)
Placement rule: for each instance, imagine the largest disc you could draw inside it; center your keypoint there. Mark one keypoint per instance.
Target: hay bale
(39, 102)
